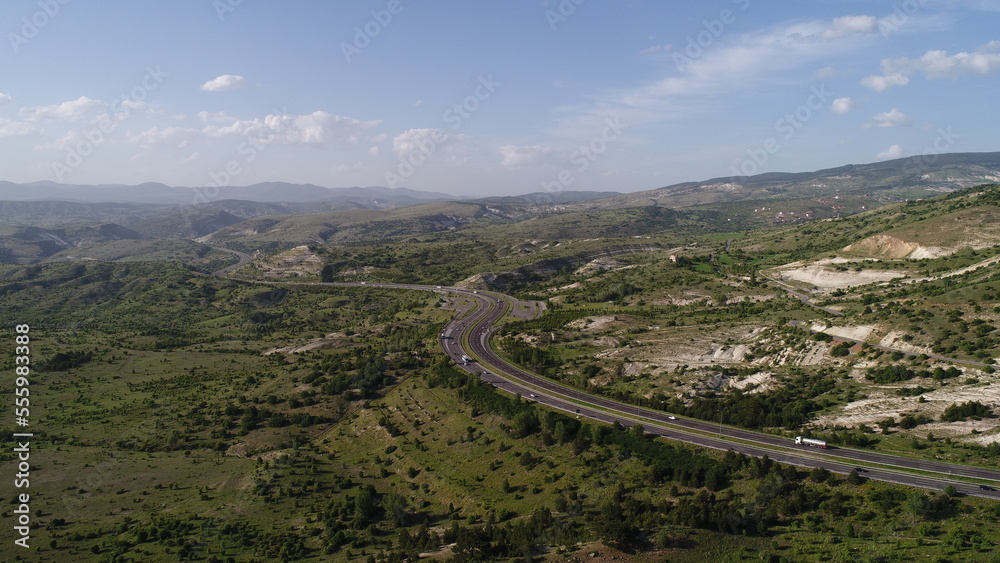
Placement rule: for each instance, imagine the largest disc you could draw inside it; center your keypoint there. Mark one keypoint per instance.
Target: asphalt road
(243, 259)
(476, 328)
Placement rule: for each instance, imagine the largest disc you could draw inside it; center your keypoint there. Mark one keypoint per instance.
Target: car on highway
(672, 417)
(986, 487)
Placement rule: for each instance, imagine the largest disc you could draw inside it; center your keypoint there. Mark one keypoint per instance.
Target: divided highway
(469, 334)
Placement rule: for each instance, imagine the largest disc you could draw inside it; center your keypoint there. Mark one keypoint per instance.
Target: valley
(292, 387)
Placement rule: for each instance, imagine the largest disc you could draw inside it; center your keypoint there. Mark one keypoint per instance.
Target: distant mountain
(545, 198)
(890, 180)
(267, 192)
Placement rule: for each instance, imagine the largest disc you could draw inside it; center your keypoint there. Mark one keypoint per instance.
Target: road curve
(243, 259)
(476, 329)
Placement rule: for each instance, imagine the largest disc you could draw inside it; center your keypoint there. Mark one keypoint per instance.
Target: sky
(489, 97)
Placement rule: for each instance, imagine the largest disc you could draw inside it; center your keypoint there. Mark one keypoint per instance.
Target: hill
(887, 181)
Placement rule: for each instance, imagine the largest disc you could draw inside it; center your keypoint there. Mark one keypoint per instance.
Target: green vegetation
(194, 418)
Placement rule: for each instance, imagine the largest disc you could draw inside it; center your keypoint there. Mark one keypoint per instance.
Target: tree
(615, 528)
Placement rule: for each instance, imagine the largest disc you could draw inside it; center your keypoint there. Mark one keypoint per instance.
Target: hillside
(320, 424)
(887, 181)
(30, 244)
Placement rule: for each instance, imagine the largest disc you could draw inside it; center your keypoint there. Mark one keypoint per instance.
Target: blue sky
(483, 98)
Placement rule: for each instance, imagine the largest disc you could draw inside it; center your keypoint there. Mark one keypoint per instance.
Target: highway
(242, 256)
(469, 334)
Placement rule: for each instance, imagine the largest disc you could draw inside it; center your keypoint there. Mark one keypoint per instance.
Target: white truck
(810, 442)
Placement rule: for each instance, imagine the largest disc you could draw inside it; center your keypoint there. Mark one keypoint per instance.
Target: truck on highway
(810, 442)
(466, 358)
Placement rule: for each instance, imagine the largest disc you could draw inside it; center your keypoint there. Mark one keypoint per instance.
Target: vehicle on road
(986, 487)
(671, 417)
(810, 442)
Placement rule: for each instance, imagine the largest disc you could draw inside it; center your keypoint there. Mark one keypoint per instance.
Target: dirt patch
(861, 332)
(296, 262)
(895, 339)
(883, 402)
(888, 246)
(671, 348)
(759, 382)
(601, 265)
(593, 324)
(333, 340)
(821, 275)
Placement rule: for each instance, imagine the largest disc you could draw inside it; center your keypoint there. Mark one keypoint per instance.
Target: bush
(957, 412)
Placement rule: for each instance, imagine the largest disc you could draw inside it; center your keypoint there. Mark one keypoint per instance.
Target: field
(182, 416)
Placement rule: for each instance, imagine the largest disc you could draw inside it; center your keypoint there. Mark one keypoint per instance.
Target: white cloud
(74, 110)
(224, 83)
(939, 64)
(10, 128)
(177, 136)
(215, 117)
(67, 141)
(517, 156)
(843, 105)
(891, 118)
(191, 157)
(655, 49)
(849, 25)
(883, 83)
(374, 151)
(733, 61)
(6, 99)
(936, 64)
(895, 151)
(423, 142)
(317, 128)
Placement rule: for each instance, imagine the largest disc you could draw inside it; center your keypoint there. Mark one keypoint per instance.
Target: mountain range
(44, 220)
